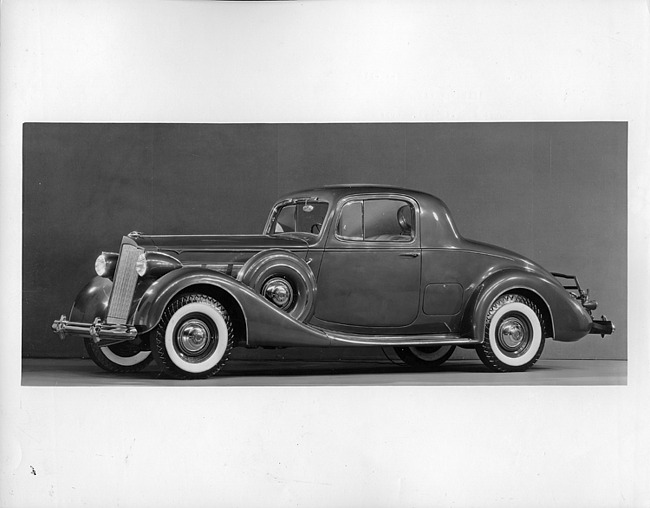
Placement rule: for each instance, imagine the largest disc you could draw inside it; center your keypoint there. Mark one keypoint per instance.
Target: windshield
(304, 216)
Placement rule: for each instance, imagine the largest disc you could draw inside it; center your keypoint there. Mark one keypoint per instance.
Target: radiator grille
(124, 283)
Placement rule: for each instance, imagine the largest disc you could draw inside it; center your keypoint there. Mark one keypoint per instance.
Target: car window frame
(295, 201)
(366, 197)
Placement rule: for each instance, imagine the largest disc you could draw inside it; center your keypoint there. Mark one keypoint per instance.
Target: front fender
(154, 301)
(568, 321)
(265, 323)
(92, 301)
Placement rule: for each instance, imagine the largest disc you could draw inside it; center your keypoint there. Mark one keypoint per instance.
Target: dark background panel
(319, 154)
(555, 192)
(83, 188)
(217, 179)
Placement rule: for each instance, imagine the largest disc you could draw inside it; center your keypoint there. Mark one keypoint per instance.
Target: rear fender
(534, 285)
(265, 324)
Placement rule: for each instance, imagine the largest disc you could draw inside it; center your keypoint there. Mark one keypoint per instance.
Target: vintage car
(345, 265)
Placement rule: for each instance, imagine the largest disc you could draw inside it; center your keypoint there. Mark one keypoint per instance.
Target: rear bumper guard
(97, 330)
(602, 326)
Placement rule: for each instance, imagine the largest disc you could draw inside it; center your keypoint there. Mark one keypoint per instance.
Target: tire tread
(406, 355)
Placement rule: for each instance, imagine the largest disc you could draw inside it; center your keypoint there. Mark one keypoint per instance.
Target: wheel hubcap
(514, 335)
(279, 292)
(193, 336)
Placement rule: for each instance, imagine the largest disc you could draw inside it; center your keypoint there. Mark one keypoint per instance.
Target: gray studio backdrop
(555, 192)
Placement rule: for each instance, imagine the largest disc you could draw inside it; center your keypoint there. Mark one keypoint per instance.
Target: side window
(286, 220)
(303, 216)
(351, 222)
(378, 220)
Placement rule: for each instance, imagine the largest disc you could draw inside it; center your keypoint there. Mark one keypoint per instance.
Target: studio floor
(332, 372)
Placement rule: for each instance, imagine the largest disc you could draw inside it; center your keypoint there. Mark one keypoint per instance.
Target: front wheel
(425, 356)
(514, 335)
(124, 357)
(194, 337)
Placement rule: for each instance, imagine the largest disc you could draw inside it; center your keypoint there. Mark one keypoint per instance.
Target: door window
(377, 220)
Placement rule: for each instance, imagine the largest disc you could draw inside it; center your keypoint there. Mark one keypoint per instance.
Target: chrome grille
(124, 283)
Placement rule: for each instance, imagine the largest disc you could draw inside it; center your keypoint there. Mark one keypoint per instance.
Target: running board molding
(351, 339)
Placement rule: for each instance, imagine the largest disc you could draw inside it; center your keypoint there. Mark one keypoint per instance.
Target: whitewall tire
(514, 334)
(123, 357)
(194, 337)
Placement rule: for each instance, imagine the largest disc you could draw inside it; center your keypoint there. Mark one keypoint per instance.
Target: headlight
(155, 264)
(141, 265)
(105, 264)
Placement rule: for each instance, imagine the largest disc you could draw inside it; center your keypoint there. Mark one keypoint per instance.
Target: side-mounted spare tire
(284, 279)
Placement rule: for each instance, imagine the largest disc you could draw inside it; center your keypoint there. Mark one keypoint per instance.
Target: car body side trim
(350, 339)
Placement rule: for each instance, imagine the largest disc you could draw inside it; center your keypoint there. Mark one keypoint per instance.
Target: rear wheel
(425, 356)
(123, 357)
(194, 337)
(514, 334)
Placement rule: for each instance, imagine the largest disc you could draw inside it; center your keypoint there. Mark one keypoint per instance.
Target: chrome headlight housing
(155, 264)
(105, 264)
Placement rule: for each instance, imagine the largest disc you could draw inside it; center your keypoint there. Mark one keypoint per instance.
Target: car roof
(336, 192)
(437, 229)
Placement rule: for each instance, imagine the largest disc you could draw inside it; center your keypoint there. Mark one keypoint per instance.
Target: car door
(370, 271)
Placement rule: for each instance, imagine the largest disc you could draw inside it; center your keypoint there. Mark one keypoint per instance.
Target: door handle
(410, 254)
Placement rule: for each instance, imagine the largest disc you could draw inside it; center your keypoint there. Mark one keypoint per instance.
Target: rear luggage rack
(576, 284)
(582, 294)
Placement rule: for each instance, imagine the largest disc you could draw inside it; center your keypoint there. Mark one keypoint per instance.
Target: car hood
(216, 243)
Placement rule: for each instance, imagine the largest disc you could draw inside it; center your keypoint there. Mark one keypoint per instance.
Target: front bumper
(102, 333)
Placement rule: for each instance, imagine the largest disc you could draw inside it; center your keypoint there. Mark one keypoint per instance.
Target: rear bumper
(602, 327)
(98, 330)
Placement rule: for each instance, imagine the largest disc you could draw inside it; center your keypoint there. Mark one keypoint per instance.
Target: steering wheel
(315, 228)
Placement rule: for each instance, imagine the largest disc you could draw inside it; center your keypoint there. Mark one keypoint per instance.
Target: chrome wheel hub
(514, 335)
(279, 292)
(193, 336)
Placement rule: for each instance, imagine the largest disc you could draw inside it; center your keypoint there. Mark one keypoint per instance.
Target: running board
(449, 339)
